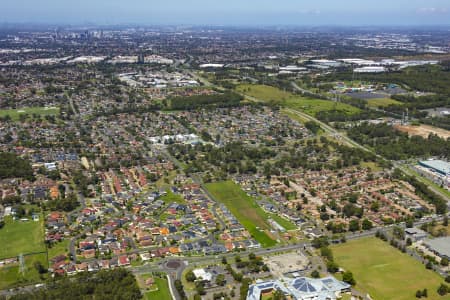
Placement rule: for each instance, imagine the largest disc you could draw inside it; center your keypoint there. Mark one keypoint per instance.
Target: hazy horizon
(232, 12)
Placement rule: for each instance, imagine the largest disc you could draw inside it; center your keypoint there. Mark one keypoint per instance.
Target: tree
(444, 262)
(353, 225)
(366, 224)
(320, 242)
(224, 260)
(425, 293)
(445, 221)
(315, 274)
(447, 279)
(326, 253)
(220, 280)
(429, 265)
(40, 268)
(419, 294)
(332, 267)
(190, 276)
(408, 242)
(348, 277)
(443, 289)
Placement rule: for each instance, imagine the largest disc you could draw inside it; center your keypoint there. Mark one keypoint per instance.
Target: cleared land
(18, 237)
(308, 105)
(244, 207)
(423, 130)
(42, 111)
(382, 102)
(384, 272)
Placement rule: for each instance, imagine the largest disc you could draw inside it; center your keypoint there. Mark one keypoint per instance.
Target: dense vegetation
(396, 145)
(115, 284)
(12, 166)
(427, 78)
(218, 100)
(338, 116)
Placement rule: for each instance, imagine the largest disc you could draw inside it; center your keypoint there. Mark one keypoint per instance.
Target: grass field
(382, 102)
(384, 272)
(42, 111)
(288, 225)
(308, 105)
(18, 237)
(171, 197)
(10, 275)
(163, 292)
(244, 208)
(59, 249)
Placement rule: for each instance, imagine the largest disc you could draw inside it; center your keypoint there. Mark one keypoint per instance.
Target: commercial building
(439, 246)
(370, 70)
(302, 288)
(439, 166)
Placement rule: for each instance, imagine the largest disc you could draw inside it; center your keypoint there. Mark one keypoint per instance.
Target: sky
(228, 12)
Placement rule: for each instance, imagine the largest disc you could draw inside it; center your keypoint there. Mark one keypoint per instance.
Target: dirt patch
(423, 130)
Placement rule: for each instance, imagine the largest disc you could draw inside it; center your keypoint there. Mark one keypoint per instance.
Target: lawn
(244, 208)
(42, 111)
(59, 249)
(18, 237)
(310, 106)
(385, 272)
(172, 197)
(382, 102)
(163, 292)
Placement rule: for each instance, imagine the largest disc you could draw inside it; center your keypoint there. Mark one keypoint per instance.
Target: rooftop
(440, 166)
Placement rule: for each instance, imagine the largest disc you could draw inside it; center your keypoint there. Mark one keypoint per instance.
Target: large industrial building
(302, 288)
(439, 166)
(439, 246)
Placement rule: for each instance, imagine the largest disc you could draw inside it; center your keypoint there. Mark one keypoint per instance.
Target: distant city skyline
(231, 12)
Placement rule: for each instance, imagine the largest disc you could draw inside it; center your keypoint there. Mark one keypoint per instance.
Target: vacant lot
(244, 207)
(384, 272)
(161, 290)
(382, 102)
(171, 198)
(423, 130)
(18, 237)
(10, 275)
(42, 111)
(308, 105)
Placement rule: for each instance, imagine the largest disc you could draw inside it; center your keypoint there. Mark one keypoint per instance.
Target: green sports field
(244, 208)
(384, 272)
(42, 111)
(308, 105)
(18, 237)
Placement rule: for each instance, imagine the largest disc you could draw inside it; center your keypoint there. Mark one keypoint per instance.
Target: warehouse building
(439, 166)
(439, 246)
